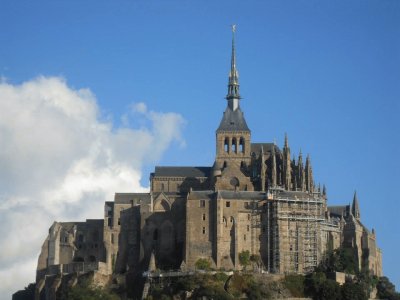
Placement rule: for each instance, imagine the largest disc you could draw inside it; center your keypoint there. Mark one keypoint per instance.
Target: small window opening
(234, 145)
(226, 145)
(112, 238)
(248, 216)
(248, 227)
(244, 237)
(202, 203)
(204, 230)
(204, 217)
(241, 145)
(228, 203)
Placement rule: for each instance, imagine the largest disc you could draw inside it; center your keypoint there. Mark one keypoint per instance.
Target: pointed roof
(355, 209)
(233, 118)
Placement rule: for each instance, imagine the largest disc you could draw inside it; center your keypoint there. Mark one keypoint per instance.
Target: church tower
(232, 163)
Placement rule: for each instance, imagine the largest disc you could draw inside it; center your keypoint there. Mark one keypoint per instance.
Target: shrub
(244, 258)
(203, 264)
(295, 284)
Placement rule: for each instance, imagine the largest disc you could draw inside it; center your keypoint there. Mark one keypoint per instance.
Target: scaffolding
(294, 228)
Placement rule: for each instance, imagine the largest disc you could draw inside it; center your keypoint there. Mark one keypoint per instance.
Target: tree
(353, 291)
(329, 290)
(244, 258)
(386, 289)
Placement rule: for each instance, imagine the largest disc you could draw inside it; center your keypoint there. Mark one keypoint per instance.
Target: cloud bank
(60, 160)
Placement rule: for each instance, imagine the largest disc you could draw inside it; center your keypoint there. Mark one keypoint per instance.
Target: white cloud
(60, 161)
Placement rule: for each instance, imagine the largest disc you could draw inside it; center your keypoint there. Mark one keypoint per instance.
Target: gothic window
(225, 164)
(80, 238)
(226, 145)
(95, 236)
(234, 145)
(241, 145)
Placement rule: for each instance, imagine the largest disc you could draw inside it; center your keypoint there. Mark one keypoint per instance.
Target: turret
(273, 171)
(309, 175)
(301, 174)
(263, 169)
(355, 209)
(287, 164)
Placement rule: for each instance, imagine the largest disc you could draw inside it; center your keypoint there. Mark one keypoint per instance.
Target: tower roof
(233, 120)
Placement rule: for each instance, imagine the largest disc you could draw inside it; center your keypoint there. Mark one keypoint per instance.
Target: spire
(262, 170)
(274, 183)
(233, 84)
(286, 141)
(355, 209)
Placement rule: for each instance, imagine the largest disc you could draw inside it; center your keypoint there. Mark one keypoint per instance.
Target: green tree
(244, 258)
(354, 291)
(386, 289)
(329, 290)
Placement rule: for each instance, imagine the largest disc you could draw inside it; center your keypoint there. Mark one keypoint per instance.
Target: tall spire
(233, 95)
(355, 209)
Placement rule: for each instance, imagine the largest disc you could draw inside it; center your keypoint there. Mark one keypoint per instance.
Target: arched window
(226, 145)
(234, 145)
(241, 145)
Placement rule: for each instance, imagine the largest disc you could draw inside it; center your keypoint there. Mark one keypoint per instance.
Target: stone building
(254, 197)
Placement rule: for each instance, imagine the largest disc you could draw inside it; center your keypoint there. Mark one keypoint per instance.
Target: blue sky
(325, 72)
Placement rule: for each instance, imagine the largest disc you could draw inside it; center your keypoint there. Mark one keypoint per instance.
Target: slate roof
(256, 147)
(233, 121)
(182, 171)
(340, 210)
(125, 198)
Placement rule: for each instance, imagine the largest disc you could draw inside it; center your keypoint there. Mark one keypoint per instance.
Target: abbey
(253, 197)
